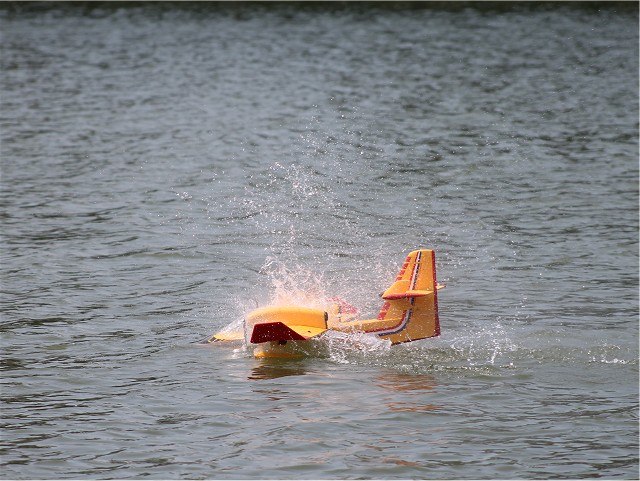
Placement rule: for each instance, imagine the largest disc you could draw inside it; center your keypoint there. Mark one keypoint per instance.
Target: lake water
(167, 168)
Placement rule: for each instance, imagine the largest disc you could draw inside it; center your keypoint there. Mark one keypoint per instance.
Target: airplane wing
(285, 323)
(227, 335)
(279, 331)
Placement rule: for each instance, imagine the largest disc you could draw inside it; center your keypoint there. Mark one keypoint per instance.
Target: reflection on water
(415, 387)
(273, 369)
(401, 462)
(399, 382)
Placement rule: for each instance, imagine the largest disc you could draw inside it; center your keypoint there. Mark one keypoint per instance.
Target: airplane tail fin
(411, 303)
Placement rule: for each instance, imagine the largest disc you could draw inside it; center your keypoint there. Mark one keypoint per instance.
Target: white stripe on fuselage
(416, 268)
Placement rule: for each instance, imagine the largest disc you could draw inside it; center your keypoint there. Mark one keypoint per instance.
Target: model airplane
(409, 313)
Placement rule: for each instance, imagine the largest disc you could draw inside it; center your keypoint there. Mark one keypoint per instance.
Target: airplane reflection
(415, 386)
(273, 369)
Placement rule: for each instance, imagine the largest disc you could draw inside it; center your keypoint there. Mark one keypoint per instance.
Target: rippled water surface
(166, 168)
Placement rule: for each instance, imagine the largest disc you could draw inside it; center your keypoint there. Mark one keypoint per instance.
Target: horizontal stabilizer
(279, 331)
(405, 295)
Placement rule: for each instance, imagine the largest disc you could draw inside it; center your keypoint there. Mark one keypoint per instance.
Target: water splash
(297, 286)
(355, 347)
